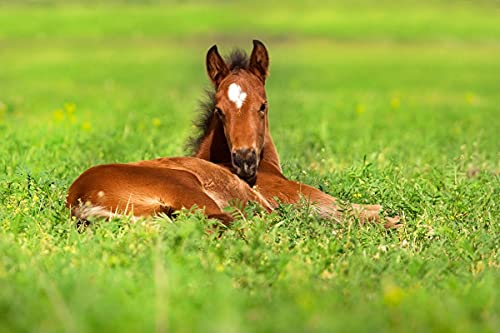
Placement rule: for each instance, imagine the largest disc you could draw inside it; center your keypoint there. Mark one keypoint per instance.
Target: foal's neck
(270, 160)
(213, 147)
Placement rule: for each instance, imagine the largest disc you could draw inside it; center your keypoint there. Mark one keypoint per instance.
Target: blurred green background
(344, 60)
(391, 102)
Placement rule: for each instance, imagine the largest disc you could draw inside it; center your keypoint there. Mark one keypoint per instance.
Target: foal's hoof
(372, 213)
(392, 222)
(367, 213)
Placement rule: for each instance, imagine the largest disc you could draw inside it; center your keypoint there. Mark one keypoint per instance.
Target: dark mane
(205, 112)
(236, 60)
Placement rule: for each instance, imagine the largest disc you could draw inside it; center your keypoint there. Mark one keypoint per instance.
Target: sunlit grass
(382, 103)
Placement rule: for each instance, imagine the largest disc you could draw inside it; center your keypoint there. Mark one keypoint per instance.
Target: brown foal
(234, 160)
(234, 132)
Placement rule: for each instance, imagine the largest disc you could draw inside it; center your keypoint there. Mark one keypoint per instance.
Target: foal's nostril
(244, 154)
(245, 160)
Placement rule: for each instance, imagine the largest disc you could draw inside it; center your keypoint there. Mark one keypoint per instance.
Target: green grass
(394, 103)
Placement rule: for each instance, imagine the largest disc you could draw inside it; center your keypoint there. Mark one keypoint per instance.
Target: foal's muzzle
(245, 162)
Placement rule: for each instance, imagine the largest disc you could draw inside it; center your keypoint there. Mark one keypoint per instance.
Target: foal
(235, 133)
(235, 142)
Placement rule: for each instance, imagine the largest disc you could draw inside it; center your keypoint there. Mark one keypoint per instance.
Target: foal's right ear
(217, 69)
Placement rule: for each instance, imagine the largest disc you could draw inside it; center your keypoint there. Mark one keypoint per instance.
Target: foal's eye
(219, 113)
(263, 107)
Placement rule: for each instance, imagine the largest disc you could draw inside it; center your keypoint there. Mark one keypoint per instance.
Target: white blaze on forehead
(236, 95)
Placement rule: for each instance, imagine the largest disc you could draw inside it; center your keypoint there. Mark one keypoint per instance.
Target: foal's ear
(217, 69)
(259, 61)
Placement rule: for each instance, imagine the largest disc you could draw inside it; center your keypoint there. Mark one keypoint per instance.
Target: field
(389, 102)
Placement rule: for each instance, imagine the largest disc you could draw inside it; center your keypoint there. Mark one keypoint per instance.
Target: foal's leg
(371, 213)
(140, 205)
(123, 189)
(202, 200)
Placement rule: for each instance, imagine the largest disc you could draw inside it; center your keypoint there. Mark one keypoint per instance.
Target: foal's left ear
(259, 61)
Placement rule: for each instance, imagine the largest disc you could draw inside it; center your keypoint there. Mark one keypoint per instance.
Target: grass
(394, 103)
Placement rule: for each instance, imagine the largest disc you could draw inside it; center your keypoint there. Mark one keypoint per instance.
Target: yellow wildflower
(70, 108)
(470, 98)
(393, 295)
(86, 126)
(58, 115)
(360, 109)
(395, 103)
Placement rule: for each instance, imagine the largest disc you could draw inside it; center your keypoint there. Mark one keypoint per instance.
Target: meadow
(390, 102)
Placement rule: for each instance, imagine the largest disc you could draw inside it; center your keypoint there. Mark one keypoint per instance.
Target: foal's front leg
(371, 213)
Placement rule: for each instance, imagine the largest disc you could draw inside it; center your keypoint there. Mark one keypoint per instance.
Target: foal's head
(241, 106)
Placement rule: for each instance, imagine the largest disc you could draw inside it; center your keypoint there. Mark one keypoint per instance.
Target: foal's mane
(236, 60)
